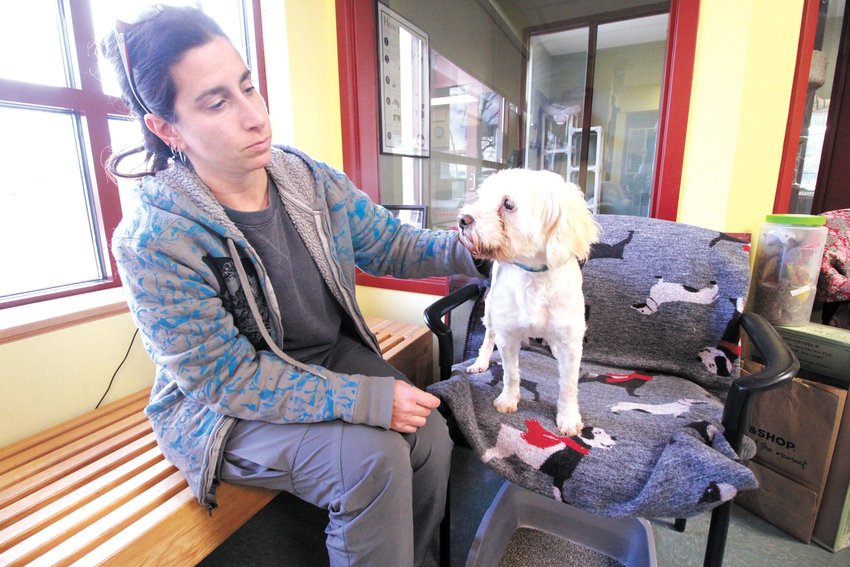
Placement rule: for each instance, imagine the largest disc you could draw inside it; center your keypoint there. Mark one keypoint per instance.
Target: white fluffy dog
(537, 229)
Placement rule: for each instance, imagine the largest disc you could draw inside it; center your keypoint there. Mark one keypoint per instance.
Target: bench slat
(29, 517)
(391, 342)
(46, 441)
(79, 532)
(379, 325)
(390, 334)
(32, 476)
(190, 531)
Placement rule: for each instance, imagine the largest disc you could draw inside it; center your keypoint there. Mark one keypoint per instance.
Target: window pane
(467, 117)
(33, 43)
(450, 184)
(474, 130)
(626, 98)
(46, 234)
(229, 14)
(555, 89)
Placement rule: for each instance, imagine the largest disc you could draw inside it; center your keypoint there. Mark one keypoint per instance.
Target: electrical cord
(120, 364)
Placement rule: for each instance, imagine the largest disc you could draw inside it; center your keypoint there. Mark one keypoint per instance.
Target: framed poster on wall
(403, 50)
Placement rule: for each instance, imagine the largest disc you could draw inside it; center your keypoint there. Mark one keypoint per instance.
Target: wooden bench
(97, 490)
(407, 347)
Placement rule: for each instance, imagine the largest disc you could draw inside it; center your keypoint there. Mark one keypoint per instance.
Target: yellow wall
(53, 377)
(395, 305)
(745, 59)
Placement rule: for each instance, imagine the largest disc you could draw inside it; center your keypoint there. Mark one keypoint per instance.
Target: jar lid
(799, 220)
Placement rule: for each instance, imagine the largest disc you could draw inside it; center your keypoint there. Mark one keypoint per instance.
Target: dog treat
(785, 273)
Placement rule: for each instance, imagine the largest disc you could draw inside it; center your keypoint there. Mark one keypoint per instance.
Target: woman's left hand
(411, 407)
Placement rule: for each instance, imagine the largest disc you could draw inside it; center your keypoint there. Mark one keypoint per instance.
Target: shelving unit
(561, 153)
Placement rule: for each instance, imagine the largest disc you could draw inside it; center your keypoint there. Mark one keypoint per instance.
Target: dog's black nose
(464, 220)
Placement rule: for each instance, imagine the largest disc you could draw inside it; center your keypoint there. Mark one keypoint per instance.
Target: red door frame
(675, 106)
(358, 90)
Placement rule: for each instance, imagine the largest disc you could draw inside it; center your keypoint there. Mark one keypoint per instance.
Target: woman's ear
(163, 130)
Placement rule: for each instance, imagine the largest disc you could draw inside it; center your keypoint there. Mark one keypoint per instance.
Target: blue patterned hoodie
(186, 292)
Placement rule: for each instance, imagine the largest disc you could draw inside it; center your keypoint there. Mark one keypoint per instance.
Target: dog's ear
(573, 231)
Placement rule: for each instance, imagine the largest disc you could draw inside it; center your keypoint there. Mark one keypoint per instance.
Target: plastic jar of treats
(787, 264)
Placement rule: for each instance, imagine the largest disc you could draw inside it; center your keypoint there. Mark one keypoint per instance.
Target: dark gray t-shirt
(311, 314)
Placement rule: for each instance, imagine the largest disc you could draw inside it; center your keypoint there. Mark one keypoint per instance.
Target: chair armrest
(434, 314)
(780, 365)
(780, 362)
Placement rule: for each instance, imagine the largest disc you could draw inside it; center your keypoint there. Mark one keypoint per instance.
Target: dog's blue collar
(543, 268)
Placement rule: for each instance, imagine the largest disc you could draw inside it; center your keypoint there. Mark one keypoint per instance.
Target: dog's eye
(508, 204)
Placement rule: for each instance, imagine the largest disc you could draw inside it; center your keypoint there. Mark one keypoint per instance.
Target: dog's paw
(477, 367)
(569, 423)
(506, 404)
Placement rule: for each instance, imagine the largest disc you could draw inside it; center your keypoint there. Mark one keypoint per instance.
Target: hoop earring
(178, 155)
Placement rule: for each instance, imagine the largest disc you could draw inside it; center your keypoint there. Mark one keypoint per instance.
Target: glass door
(622, 64)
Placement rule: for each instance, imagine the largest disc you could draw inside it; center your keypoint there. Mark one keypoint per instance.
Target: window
(358, 86)
(474, 133)
(60, 121)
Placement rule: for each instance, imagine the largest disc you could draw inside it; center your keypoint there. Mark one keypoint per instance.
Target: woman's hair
(157, 41)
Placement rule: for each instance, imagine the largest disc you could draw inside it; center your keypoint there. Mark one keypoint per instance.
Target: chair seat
(652, 444)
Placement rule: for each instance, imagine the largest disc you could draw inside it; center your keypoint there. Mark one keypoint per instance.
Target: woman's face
(222, 123)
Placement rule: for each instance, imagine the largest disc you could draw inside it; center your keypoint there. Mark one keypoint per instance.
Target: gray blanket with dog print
(652, 445)
(662, 303)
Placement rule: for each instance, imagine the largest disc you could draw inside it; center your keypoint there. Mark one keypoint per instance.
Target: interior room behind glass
(495, 103)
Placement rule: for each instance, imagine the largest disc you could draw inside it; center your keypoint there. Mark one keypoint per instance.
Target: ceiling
(616, 34)
(517, 15)
(529, 13)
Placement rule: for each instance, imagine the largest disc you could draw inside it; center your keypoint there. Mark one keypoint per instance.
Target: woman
(239, 267)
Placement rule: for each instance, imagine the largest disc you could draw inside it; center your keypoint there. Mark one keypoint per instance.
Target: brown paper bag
(794, 428)
(789, 506)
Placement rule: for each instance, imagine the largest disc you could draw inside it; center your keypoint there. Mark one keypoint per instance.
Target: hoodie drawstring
(255, 312)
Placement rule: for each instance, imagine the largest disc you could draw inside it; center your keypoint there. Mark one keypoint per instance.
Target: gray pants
(384, 491)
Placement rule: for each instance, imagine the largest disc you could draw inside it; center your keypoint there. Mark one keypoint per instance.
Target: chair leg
(717, 531)
(680, 524)
(445, 532)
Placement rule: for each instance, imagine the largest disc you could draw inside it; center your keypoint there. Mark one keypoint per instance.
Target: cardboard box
(821, 349)
(795, 429)
(832, 529)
